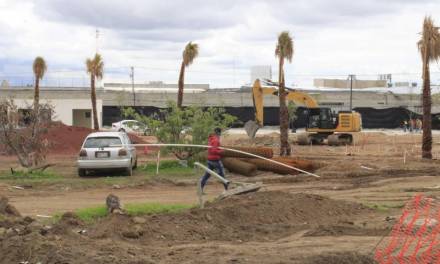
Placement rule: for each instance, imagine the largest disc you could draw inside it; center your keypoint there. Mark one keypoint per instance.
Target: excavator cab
(321, 118)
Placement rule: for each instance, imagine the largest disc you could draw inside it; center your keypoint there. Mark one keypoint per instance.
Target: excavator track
(304, 139)
(339, 139)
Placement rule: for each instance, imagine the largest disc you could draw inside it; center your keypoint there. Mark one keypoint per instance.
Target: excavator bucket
(251, 128)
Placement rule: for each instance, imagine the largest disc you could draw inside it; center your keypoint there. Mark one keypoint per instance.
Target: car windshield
(102, 142)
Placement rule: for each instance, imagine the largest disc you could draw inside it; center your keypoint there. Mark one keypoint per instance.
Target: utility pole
(351, 76)
(97, 37)
(132, 85)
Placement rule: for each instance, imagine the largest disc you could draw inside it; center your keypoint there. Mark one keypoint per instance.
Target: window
(102, 142)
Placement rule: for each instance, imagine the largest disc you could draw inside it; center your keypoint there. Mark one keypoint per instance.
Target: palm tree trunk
(284, 114)
(181, 83)
(427, 134)
(36, 95)
(93, 95)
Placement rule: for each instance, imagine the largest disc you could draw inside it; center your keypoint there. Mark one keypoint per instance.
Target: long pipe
(223, 148)
(212, 172)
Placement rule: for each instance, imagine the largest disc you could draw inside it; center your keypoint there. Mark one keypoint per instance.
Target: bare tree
(429, 47)
(189, 54)
(284, 50)
(25, 140)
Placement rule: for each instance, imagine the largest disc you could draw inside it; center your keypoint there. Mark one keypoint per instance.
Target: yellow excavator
(322, 123)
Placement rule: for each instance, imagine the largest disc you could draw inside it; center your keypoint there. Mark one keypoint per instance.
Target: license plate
(102, 154)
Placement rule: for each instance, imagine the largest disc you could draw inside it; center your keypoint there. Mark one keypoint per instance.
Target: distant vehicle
(130, 126)
(107, 150)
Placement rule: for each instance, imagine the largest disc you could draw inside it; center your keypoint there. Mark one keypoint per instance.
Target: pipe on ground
(239, 166)
(299, 163)
(260, 151)
(273, 167)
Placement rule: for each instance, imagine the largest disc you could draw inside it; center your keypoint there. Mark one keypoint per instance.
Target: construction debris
(239, 188)
(113, 204)
(6, 208)
(239, 166)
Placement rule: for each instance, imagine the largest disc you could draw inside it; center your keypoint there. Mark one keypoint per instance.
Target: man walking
(214, 162)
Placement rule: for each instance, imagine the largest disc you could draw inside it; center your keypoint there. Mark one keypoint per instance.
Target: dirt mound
(345, 230)
(262, 216)
(257, 216)
(340, 258)
(67, 140)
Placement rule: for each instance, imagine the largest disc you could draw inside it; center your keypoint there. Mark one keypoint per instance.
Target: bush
(189, 125)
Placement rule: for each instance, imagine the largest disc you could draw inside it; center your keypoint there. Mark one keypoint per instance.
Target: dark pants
(214, 165)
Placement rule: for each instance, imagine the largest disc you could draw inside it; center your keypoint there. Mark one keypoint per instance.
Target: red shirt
(214, 151)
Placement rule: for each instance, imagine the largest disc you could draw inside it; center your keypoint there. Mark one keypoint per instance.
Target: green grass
(170, 171)
(169, 168)
(154, 208)
(384, 207)
(30, 177)
(90, 214)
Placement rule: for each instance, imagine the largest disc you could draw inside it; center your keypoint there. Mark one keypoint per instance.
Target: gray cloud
(132, 14)
(322, 12)
(171, 35)
(203, 14)
(183, 20)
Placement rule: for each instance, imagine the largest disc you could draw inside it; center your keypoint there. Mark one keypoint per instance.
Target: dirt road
(392, 192)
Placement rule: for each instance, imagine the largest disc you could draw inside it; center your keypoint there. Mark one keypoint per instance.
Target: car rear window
(102, 142)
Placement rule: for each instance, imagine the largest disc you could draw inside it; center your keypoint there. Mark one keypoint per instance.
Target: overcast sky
(331, 38)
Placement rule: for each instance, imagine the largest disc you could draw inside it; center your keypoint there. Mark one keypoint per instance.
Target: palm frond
(430, 40)
(39, 67)
(95, 66)
(190, 53)
(284, 46)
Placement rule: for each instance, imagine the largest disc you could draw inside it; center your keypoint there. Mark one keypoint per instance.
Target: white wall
(63, 108)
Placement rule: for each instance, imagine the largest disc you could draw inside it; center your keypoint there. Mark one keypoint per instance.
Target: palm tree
(95, 67)
(189, 54)
(284, 50)
(429, 47)
(39, 67)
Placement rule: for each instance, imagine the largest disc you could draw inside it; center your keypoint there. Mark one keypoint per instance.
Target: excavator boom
(258, 93)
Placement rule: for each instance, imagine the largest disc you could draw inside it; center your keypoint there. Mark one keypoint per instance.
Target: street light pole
(132, 85)
(351, 76)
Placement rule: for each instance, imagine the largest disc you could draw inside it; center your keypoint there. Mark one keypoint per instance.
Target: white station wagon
(107, 150)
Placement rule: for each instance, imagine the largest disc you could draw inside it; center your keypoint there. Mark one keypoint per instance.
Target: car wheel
(135, 164)
(81, 172)
(129, 171)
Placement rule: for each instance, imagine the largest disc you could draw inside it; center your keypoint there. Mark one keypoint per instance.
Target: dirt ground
(337, 218)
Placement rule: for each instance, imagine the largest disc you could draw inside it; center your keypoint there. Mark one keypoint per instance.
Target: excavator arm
(258, 93)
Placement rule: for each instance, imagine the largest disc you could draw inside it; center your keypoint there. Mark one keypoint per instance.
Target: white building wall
(63, 108)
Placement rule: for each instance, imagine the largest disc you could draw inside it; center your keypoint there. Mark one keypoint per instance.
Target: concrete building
(73, 106)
